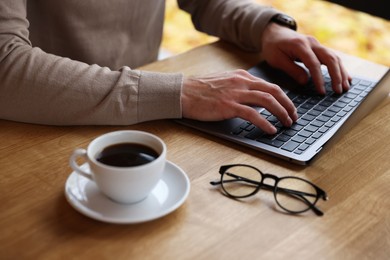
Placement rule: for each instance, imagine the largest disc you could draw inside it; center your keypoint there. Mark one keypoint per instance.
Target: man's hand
(231, 94)
(281, 47)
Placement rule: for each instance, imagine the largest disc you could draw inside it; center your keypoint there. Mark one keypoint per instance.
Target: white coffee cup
(122, 184)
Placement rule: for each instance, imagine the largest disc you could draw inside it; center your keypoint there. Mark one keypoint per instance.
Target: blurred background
(335, 26)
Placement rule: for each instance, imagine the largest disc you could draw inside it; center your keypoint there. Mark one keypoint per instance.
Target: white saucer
(167, 196)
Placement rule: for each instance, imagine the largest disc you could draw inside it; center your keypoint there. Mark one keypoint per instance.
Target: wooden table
(36, 222)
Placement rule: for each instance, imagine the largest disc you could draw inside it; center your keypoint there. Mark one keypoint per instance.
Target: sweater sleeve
(240, 22)
(38, 87)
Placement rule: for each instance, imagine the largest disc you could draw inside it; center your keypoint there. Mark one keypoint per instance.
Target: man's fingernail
(347, 86)
(295, 116)
(289, 121)
(340, 89)
(273, 130)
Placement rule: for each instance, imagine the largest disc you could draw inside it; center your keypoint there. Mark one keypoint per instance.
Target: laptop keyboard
(317, 114)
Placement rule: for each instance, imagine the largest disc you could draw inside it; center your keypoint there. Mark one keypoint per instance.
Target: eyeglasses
(292, 194)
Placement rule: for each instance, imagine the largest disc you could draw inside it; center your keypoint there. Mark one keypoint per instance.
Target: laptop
(320, 117)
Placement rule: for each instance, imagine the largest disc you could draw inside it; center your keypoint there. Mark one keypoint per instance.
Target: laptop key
(328, 114)
(301, 111)
(310, 141)
(302, 122)
(237, 131)
(275, 142)
(314, 112)
(324, 118)
(255, 133)
(317, 135)
(317, 123)
(320, 108)
(348, 108)
(296, 127)
(365, 83)
(355, 81)
(290, 146)
(283, 138)
(323, 129)
(303, 147)
(308, 117)
(305, 133)
(265, 113)
(334, 109)
(340, 104)
(329, 124)
(299, 139)
(311, 128)
(290, 132)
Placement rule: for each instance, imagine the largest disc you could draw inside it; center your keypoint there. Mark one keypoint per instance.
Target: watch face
(285, 20)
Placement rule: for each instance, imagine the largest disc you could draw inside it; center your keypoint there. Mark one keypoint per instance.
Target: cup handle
(72, 161)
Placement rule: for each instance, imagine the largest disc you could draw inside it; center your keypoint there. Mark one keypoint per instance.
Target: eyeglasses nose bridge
(270, 176)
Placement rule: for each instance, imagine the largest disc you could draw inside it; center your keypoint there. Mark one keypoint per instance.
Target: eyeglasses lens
(240, 181)
(295, 195)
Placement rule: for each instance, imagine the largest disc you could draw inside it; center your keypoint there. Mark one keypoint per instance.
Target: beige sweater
(70, 62)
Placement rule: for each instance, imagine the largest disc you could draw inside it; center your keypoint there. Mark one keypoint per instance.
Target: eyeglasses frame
(320, 193)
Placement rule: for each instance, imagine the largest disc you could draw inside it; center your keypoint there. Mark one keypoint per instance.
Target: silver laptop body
(321, 117)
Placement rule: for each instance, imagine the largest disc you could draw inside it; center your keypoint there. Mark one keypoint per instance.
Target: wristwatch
(285, 20)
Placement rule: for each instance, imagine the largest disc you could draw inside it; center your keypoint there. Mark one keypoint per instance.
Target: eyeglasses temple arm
(214, 183)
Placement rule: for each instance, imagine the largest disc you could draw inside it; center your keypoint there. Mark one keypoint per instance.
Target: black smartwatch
(285, 20)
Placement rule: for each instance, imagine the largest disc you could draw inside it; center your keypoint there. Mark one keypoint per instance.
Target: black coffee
(126, 155)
